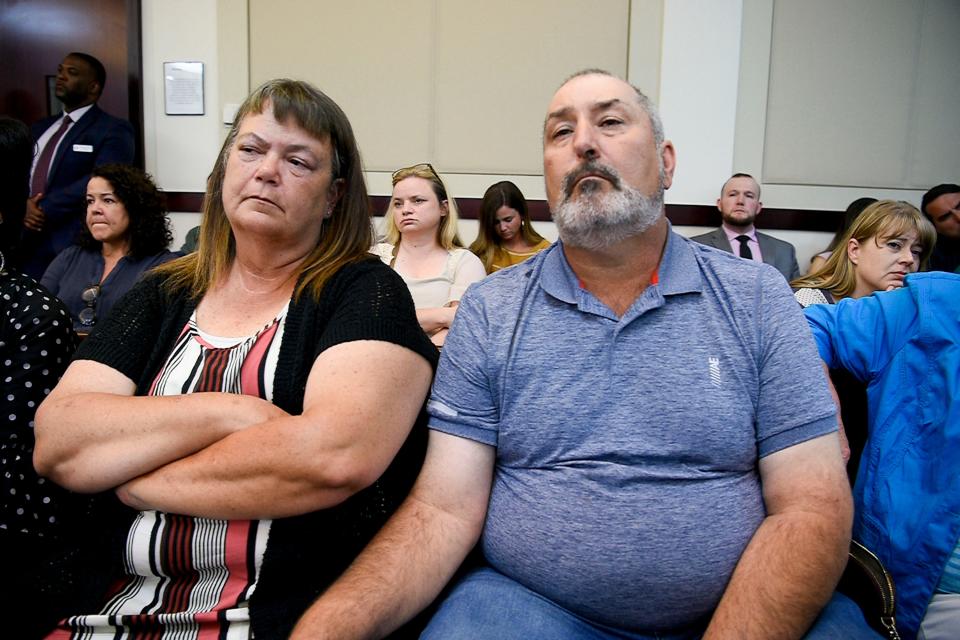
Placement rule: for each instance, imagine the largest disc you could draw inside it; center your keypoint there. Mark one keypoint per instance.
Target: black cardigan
(306, 553)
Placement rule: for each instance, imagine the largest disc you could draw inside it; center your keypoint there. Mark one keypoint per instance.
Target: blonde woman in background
(888, 240)
(506, 236)
(422, 246)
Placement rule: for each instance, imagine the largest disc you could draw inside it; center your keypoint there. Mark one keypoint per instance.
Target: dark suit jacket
(777, 253)
(109, 139)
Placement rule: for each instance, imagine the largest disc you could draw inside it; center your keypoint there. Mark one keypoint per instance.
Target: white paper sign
(183, 88)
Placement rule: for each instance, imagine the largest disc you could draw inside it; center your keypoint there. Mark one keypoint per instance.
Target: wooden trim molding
(184, 201)
(695, 215)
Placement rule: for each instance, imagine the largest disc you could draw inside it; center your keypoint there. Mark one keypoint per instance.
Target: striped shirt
(189, 577)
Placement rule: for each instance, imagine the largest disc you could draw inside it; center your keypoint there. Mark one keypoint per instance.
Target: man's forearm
(784, 578)
(416, 553)
(401, 572)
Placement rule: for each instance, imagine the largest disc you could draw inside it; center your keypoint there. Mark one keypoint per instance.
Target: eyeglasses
(423, 166)
(88, 315)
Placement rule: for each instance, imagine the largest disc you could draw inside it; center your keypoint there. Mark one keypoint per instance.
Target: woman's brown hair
(346, 235)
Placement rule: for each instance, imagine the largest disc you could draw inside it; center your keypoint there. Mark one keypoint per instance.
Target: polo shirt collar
(679, 271)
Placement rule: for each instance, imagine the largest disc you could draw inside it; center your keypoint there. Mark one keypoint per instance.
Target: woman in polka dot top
(37, 542)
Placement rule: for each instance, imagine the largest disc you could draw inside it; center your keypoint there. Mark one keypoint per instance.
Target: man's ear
(668, 156)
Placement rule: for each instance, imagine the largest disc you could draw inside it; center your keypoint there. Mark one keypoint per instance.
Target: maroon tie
(39, 182)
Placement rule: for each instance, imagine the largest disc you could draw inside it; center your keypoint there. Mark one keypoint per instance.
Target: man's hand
(34, 217)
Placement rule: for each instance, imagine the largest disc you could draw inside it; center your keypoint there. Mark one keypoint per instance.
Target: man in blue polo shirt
(638, 426)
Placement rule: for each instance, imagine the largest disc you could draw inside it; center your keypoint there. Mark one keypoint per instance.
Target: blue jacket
(905, 344)
(97, 138)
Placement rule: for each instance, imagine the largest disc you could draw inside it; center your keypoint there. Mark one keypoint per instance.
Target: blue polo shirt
(626, 483)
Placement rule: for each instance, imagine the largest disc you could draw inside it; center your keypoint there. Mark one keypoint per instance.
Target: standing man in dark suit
(68, 147)
(739, 204)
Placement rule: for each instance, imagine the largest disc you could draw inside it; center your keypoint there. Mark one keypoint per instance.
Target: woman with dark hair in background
(39, 540)
(506, 236)
(126, 233)
(853, 210)
(253, 402)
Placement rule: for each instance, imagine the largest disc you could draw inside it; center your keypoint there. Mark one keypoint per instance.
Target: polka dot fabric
(36, 344)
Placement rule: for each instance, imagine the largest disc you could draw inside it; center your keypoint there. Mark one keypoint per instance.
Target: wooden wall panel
(35, 35)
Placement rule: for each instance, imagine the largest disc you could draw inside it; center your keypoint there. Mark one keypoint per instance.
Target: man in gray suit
(739, 203)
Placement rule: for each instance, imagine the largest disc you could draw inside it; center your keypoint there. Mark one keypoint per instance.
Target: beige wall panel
(840, 92)
(374, 58)
(936, 145)
(498, 63)
(646, 46)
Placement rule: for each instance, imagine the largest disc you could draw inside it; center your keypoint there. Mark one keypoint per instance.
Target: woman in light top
(506, 236)
(423, 247)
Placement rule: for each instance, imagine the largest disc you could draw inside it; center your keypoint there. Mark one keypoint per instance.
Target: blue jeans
(487, 604)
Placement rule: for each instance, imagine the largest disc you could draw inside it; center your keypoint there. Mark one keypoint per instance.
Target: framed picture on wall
(54, 106)
(183, 88)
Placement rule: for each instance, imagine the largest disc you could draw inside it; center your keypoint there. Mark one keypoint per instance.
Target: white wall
(698, 94)
(179, 151)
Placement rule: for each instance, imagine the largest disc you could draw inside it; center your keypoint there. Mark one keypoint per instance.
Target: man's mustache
(589, 169)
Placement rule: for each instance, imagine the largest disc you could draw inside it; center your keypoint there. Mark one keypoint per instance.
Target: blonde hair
(882, 219)
(447, 236)
(346, 235)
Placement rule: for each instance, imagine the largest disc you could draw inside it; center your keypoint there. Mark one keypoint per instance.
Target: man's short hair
(99, 71)
(936, 192)
(741, 175)
(645, 102)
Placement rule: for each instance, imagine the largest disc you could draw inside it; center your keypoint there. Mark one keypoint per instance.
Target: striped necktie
(39, 182)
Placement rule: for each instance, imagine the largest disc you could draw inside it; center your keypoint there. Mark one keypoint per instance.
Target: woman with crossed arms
(257, 403)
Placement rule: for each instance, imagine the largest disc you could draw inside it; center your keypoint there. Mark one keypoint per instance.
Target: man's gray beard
(597, 220)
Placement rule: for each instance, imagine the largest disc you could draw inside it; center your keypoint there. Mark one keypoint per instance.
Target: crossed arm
(221, 455)
(436, 321)
(416, 553)
(790, 568)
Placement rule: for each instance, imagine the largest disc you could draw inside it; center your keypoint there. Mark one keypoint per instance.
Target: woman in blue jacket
(905, 345)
